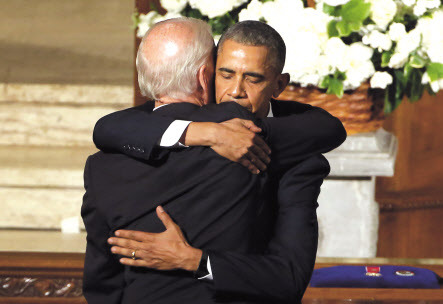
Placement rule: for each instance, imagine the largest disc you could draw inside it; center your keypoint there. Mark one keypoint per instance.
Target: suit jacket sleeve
(300, 131)
(103, 274)
(132, 131)
(283, 272)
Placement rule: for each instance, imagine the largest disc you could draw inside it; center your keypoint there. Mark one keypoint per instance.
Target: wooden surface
(50, 270)
(411, 202)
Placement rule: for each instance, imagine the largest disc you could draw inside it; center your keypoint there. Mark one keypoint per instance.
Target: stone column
(348, 213)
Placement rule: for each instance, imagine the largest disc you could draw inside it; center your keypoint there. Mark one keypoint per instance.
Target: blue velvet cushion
(389, 277)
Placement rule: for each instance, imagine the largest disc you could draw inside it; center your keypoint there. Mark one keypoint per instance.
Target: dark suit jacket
(280, 274)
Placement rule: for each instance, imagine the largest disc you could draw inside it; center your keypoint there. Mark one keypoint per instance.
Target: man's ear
(282, 82)
(203, 83)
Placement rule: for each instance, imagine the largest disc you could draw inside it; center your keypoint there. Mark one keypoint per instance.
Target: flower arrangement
(395, 45)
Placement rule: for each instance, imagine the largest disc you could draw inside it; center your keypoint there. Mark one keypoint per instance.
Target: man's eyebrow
(226, 70)
(253, 74)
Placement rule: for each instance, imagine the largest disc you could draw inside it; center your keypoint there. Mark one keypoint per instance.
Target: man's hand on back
(167, 250)
(235, 139)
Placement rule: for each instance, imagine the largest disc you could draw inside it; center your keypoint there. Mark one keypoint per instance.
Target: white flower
(431, 29)
(423, 5)
(360, 66)
(146, 21)
(408, 2)
(380, 80)
(252, 12)
(409, 42)
(398, 60)
(149, 19)
(173, 6)
(397, 31)
(436, 85)
(335, 2)
(335, 52)
(382, 12)
(378, 40)
(216, 8)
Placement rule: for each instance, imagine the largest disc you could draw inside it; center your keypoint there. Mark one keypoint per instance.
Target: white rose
(396, 31)
(213, 8)
(381, 80)
(423, 5)
(409, 42)
(378, 40)
(173, 6)
(360, 66)
(382, 12)
(151, 18)
(398, 60)
(335, 52)
(335, 2)
(146, 21)
(431, 29)
(436, 85)
(252, 12)
(408, 2)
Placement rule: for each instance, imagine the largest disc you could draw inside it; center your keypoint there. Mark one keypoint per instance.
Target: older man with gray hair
(219, 204)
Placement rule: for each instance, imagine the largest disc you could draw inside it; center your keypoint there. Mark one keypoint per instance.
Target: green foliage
(435, 71)
(135, 17)
(385, 58)
(352, 14)
(332, 29)
(221, 23)
(334, 84)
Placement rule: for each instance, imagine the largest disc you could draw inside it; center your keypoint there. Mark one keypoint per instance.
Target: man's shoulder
(282, 107)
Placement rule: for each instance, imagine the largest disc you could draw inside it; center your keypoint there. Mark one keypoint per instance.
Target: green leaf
(407, 70)
(135, 20)
(414, 88)
(343, 28)
(335, 87)
(417, 61)
(329, 9)
(385, 58)
(192, 13)
(332, 29)
(356, 10)
(220, 24)
(388, 105)
(324, 83)
(435, 71)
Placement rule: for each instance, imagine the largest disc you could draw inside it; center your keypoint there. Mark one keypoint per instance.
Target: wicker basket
(360, 110)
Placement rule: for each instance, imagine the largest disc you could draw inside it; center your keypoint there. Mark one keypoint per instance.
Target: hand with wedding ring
(167, 250)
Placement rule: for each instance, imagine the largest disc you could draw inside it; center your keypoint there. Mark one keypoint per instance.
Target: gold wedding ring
(133, 254)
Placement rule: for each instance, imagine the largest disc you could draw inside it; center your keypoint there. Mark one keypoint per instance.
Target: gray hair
(178, 77)
(256, 33)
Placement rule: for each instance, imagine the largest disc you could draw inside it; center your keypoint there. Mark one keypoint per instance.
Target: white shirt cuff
(173, 134)
(209, 276)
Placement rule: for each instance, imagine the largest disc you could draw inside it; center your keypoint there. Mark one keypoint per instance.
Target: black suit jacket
(281, 274)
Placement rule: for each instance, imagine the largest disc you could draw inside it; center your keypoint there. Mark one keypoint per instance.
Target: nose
(237, 90)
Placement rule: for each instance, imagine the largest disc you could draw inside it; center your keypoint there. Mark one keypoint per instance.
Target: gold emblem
(404, 273)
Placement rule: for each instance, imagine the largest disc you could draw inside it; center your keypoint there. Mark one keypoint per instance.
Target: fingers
(125, 243)
(250, 125)
(125, 251)
(248, 164)
(136, 263)
(164, 217)
(260, 142)
(254, 159)
(135, 235)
